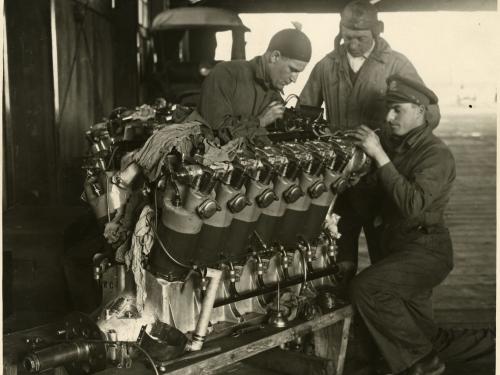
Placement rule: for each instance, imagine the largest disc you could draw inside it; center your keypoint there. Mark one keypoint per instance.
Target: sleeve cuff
(387, 174)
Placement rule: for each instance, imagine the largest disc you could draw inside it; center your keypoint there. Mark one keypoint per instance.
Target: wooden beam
(257, 342)
(234, 349)
(335, 6)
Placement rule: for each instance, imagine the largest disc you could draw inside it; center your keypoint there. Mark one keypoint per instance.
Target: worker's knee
(365, 286)
(358, 290)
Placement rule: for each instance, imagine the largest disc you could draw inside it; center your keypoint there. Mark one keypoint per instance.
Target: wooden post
(331, 343)
(343, 345)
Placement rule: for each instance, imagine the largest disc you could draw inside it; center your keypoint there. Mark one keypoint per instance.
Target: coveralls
(233, 95)
(393, 295)
(354, 99)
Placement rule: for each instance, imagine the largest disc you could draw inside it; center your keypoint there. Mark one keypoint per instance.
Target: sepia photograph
(255, 187)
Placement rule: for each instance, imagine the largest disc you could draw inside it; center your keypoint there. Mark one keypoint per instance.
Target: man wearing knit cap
(415, 177)
(240, 98)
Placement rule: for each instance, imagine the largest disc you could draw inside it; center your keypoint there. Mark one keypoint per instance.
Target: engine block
(206, 235)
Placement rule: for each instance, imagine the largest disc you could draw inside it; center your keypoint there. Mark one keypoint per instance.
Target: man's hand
(369, 142)
(271, 113)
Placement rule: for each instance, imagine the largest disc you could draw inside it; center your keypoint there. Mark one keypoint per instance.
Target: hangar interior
(69, 64)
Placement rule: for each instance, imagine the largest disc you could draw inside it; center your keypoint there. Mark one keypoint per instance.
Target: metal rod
(283, 284)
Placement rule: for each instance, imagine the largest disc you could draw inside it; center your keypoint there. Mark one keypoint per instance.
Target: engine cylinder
(297, 213)
(245, 222)
(211, 242)
(271, 215)
(313, 223)
(178, 232)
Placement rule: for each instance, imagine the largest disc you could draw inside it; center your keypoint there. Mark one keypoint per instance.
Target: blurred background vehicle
(184, 49)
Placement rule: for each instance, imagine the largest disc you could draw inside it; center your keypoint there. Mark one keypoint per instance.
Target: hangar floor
(466, 299)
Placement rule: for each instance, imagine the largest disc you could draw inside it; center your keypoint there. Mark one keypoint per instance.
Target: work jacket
(232, 97)
(351, 104)
(416, 188)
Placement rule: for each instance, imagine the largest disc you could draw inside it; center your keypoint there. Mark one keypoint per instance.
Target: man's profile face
(283, 71)
(403, 117)
(358, 42)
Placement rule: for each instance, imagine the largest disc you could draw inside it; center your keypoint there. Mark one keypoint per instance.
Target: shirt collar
(357, 62)
(260, 72)
(381, 51)
(413, 137)
(365, 55)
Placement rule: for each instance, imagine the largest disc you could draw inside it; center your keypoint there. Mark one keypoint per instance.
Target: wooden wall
(29, 130)
(126, 79)
(85, 81)
(70, 62)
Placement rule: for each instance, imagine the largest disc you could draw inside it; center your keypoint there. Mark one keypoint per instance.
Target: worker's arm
(412, 194)
(216, 107)
(312, 93)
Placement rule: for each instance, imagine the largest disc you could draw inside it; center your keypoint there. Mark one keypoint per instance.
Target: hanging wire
(107, 198)
(170, 256)
(111, 158)
(146, 354)
(290, 97)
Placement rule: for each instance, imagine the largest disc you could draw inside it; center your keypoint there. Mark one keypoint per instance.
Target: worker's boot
(429, 365)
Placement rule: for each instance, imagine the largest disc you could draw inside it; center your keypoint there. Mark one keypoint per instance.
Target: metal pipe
(294, 280)
(206, 310)
(305, 246)
(284, 262)
(232, 280)
(56, 356)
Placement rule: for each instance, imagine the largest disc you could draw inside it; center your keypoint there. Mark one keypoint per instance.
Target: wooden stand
(236, 349)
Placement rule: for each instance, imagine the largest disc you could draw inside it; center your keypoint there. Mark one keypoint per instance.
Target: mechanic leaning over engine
(240, 98)
(415, 177)
(351, 81)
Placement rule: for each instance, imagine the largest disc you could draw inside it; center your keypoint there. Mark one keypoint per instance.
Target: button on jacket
(416, 185)
(393, 295)
(233, 95)
(352, 100)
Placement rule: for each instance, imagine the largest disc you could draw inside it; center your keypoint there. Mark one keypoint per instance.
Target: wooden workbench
(233, 349)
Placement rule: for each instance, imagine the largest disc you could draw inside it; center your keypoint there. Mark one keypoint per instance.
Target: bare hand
(271, 113)
(369, 142)
(88, 188)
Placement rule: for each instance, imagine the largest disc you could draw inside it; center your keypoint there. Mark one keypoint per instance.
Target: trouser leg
(349, 228)
(386, 296)
(373, 241)
(465, 345)
(420, 308)
(455, 344)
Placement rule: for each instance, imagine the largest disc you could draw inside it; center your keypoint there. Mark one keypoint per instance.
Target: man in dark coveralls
(351, 82)
(240, 98)
(393, 295)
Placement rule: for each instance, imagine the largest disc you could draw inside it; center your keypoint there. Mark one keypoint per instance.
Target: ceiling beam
(334, 6)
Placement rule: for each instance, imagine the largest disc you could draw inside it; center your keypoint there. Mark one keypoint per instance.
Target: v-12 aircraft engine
(204, 235)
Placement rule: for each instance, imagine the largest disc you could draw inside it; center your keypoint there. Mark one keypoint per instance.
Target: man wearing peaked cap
(401, 89)
(415, 178)
(351, 82)
(241, 98)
